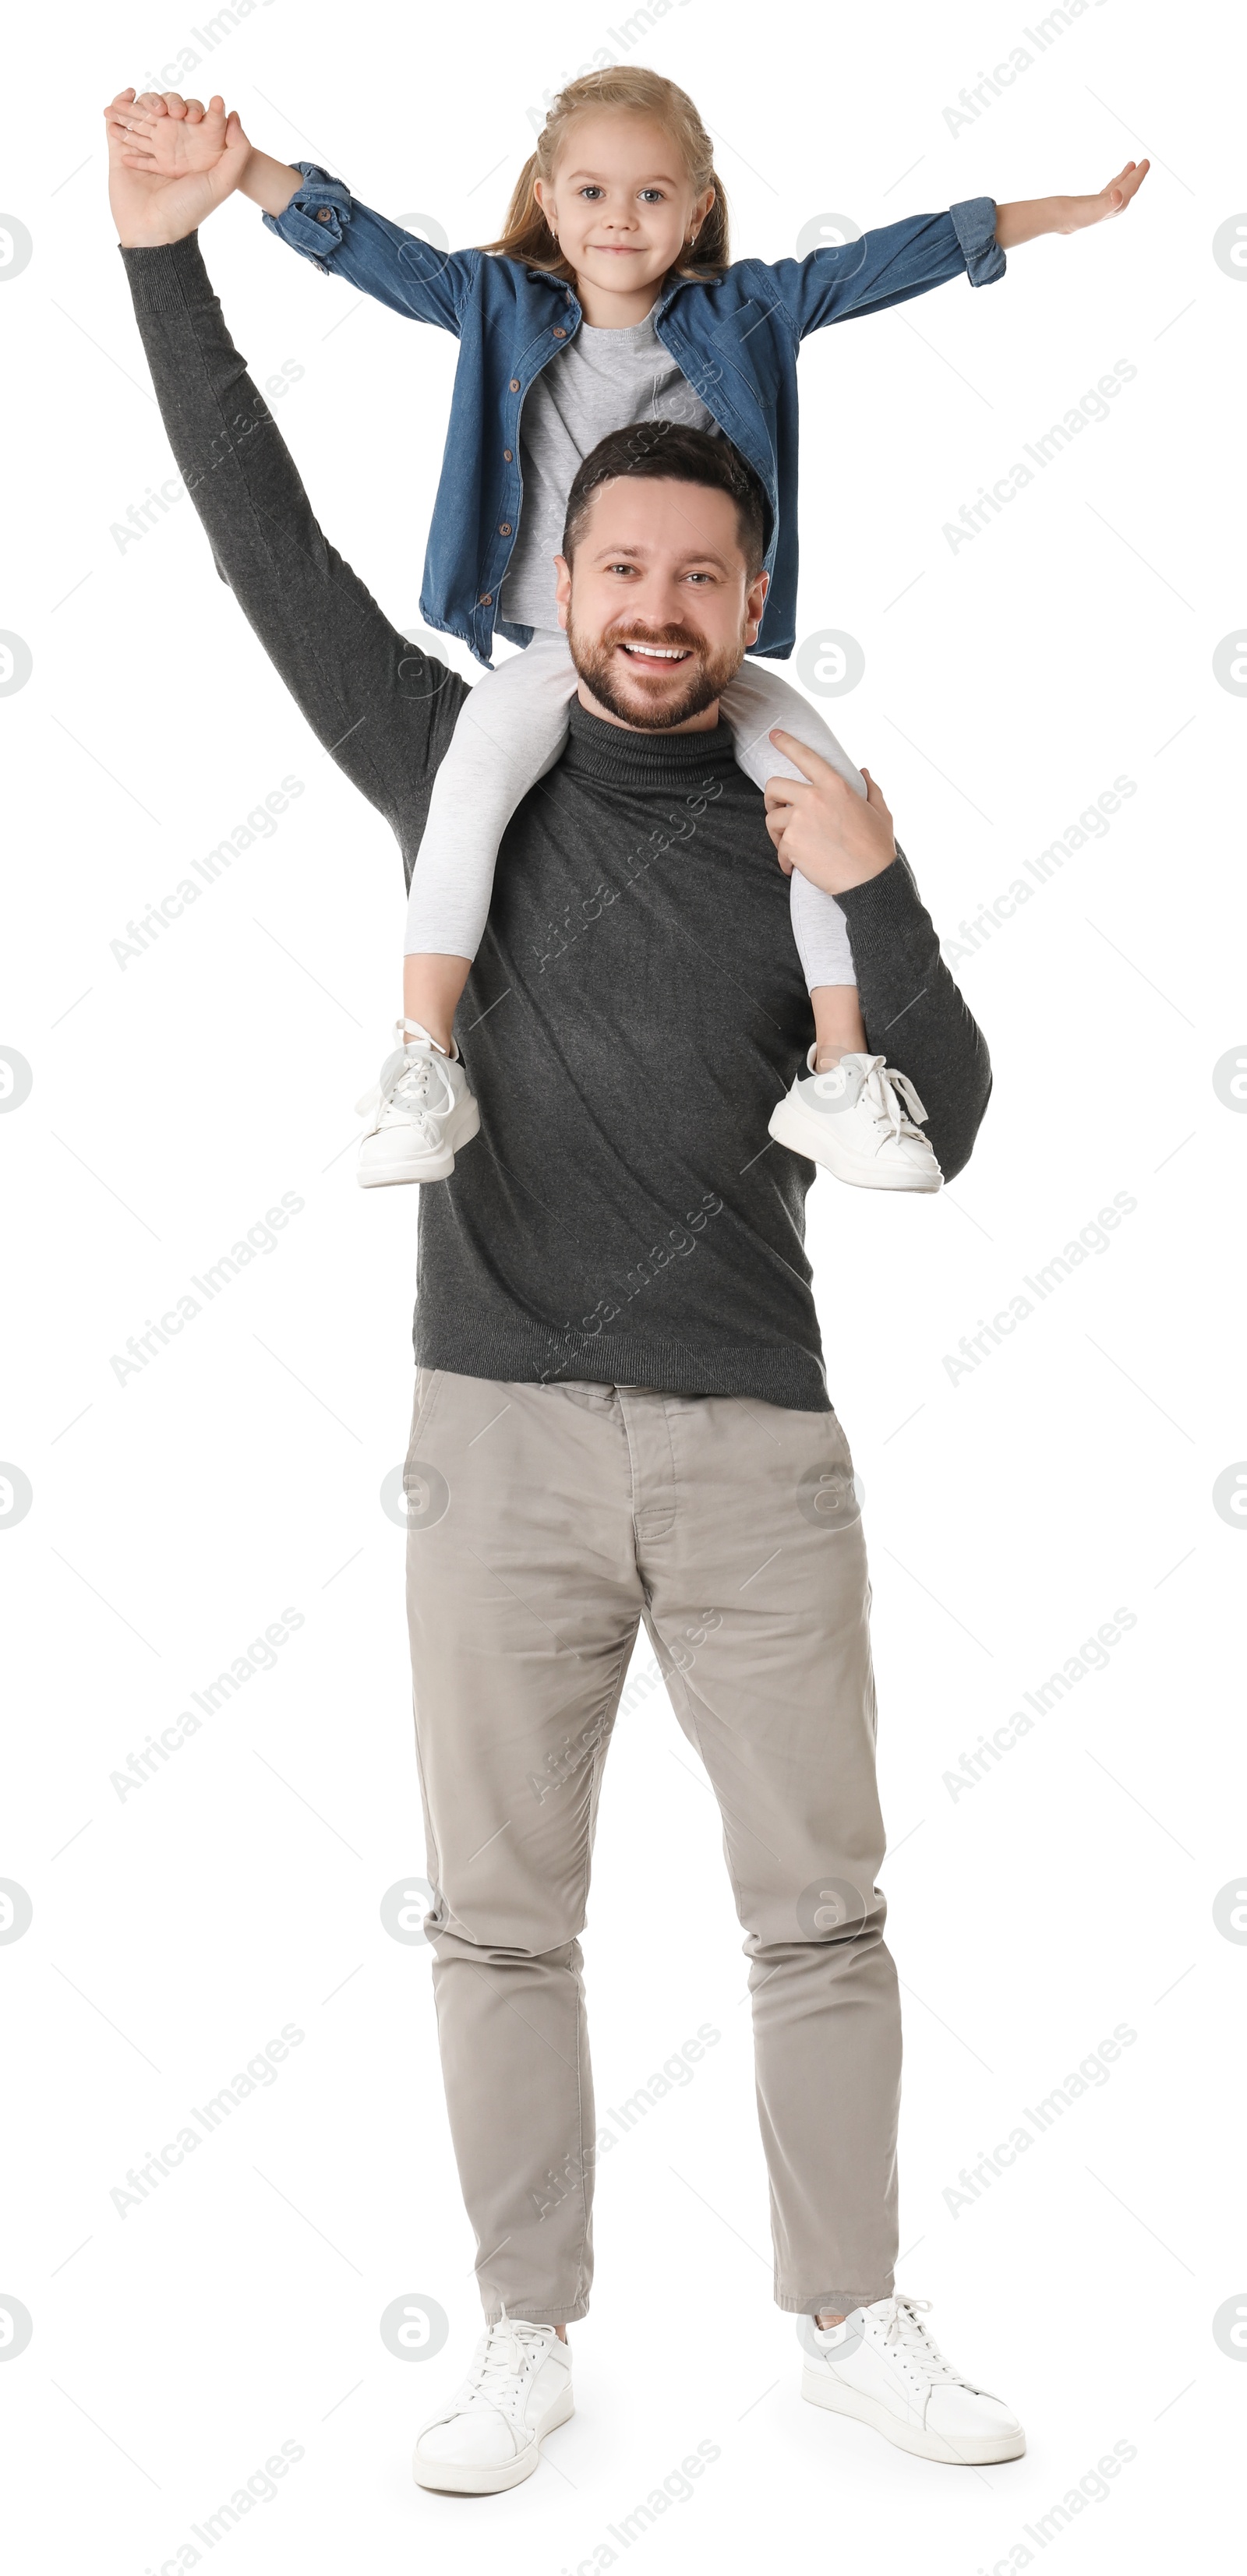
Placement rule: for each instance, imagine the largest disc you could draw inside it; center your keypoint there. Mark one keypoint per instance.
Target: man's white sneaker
(419, 1113)
(859, 1120)
(518, 2389)
(884, 2367)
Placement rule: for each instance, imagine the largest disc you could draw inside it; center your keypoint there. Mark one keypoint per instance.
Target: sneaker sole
(432, 1167)
(466, 2477)
(969, 2454)
(793, 1126)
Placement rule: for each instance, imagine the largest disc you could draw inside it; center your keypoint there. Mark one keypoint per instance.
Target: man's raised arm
(384, 710)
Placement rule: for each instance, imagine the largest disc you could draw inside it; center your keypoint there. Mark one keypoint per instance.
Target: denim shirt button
(486, 599)
(557, 331)
(324, 215)
(507, 456)
(504, 529)
(515, 384)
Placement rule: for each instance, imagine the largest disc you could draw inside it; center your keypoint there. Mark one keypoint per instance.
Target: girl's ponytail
(526, 236)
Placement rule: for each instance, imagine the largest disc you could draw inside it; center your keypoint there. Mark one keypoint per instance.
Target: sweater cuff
(317, 216)
(883, 908)
(170, 278)
(974, 222)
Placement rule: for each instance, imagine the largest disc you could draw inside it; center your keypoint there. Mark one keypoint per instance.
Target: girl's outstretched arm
(888, 265)
(321, 219)
(898, 261)
(167, 136)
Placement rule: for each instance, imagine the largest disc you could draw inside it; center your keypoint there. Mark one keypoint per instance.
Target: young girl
(609, 299)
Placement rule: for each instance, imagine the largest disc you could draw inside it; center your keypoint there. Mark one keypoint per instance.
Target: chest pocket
(742, 341)
(748, 319)
(738, 325)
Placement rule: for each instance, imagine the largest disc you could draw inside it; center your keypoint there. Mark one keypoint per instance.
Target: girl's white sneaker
(518, 2389)
(883, 2366)
(419, 1113)
(860, 1121)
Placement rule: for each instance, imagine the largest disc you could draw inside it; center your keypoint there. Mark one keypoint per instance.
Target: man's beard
(704, 676)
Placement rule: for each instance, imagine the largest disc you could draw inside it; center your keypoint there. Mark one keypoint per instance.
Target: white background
(1009, 1514)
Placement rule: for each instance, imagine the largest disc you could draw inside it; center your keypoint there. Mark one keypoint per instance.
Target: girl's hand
(1035, 215)
(168, 135)
(1112, 200)
(821, 825)
(151, 207)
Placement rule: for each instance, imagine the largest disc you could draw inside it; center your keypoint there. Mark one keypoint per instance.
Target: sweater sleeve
(913, 1011)
(384, 710)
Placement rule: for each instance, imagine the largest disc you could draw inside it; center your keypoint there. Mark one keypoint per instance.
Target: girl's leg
(754, 701)
(857, 1123)
(432, 991)
(822, 940)
(511, 730)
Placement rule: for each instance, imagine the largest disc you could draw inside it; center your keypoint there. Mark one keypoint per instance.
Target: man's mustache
(676, 638)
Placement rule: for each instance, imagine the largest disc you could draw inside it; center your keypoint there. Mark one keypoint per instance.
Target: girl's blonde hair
(527, 236)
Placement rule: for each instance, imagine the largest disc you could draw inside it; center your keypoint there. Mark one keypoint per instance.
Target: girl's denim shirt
(734, 336)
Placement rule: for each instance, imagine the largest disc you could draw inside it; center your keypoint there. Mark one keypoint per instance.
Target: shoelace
(503, 2355)
(879, 1091)
(407, 1087)
(904, 2329)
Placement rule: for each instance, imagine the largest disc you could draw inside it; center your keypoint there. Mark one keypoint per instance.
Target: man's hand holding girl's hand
(162, 138)
(169, 167)
(821, 826)
(168, 135)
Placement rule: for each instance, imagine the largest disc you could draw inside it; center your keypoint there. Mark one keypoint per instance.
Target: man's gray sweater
(636, 1007)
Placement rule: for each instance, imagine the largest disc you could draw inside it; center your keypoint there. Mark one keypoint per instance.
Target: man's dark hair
(670, 452)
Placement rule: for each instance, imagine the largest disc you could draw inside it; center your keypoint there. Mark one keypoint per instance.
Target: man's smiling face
(659, 602)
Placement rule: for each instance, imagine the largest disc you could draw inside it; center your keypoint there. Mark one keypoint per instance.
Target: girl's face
(620, 203)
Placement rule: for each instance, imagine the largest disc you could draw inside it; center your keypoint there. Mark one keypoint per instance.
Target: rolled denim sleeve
(325, 223)
(317, 216)
(889, 266)
(974, 222)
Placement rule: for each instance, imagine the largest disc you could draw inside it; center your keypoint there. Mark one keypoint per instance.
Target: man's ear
(755, 601)
(563, 587)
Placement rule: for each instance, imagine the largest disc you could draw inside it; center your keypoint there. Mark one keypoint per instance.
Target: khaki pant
(545, 1522)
